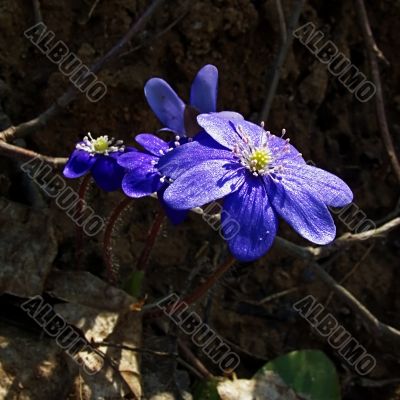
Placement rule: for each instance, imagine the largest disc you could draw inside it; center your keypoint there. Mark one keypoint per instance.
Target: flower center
(260, 159)
(101, 145)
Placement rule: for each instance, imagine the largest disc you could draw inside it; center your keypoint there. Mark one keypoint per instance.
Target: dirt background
(323, 120)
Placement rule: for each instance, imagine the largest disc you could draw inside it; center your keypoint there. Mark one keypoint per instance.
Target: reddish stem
(150, 241)
(107, 239)
(80, 207)
(200, 291)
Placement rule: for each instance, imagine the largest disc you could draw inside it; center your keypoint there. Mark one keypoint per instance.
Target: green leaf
(310, 373)
(206, 390)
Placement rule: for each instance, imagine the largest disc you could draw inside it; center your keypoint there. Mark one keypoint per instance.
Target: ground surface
(323, 120)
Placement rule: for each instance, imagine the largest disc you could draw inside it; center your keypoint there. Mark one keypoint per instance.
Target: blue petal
(203, 94)
(328, 187)
(137, 159)
(305, 212)
(205, 182)
(249, 223)
(166, 104)
(283, 152)
(152, 143)
(175, 216)
(184, 157)
(107, 173)
(220, 128)
(78, 164)
(141, 182)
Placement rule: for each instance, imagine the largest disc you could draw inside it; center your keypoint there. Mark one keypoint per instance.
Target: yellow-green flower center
(260, 159)
(100, 144)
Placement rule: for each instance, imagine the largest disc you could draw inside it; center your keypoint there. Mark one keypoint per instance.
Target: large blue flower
(172, 112)
(260, 176)
(99, 156)
(142, 177)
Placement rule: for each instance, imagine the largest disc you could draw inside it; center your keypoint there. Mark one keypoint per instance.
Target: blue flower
(142, 177)
(172, 111)
(99, 156)
(260, 176)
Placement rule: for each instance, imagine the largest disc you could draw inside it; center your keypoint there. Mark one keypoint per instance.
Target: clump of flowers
(259, 176)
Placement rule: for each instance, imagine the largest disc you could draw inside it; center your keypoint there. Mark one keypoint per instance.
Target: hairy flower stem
(80, 208)
(200, 291)
(210, 282)
(154, 231)
(107, 239)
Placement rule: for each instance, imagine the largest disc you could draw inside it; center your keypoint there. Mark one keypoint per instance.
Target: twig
(37, 11)
(198, 365)
(69, 95)
(380, 105)
(135, 349)
(159, 34)
(9, 150)
(282, 22)
(280, 59)
(379, 329)
(310, 252)
(96, 2)
(351, 272)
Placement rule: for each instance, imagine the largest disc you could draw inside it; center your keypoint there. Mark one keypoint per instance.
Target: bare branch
(346, 240)
(380, 105)
(379, 329)
(280, 59)
(37, 11)
(9, 150)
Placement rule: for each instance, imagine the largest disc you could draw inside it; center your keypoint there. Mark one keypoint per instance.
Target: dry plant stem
(80, 207)
(281, 57)
(33, 125)
(380, 105)
(107, 239)
(379, 329)
(351, 272)
(9, 150)
(155, 229)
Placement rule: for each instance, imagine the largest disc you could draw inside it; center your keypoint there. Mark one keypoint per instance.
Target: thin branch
(197, 364)
(37, 11)
(70, 94)
(346, 240)
(134, 349)
(9, 150)
(379, 329)
(380, 105)
(280, 59)
(282, 22)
